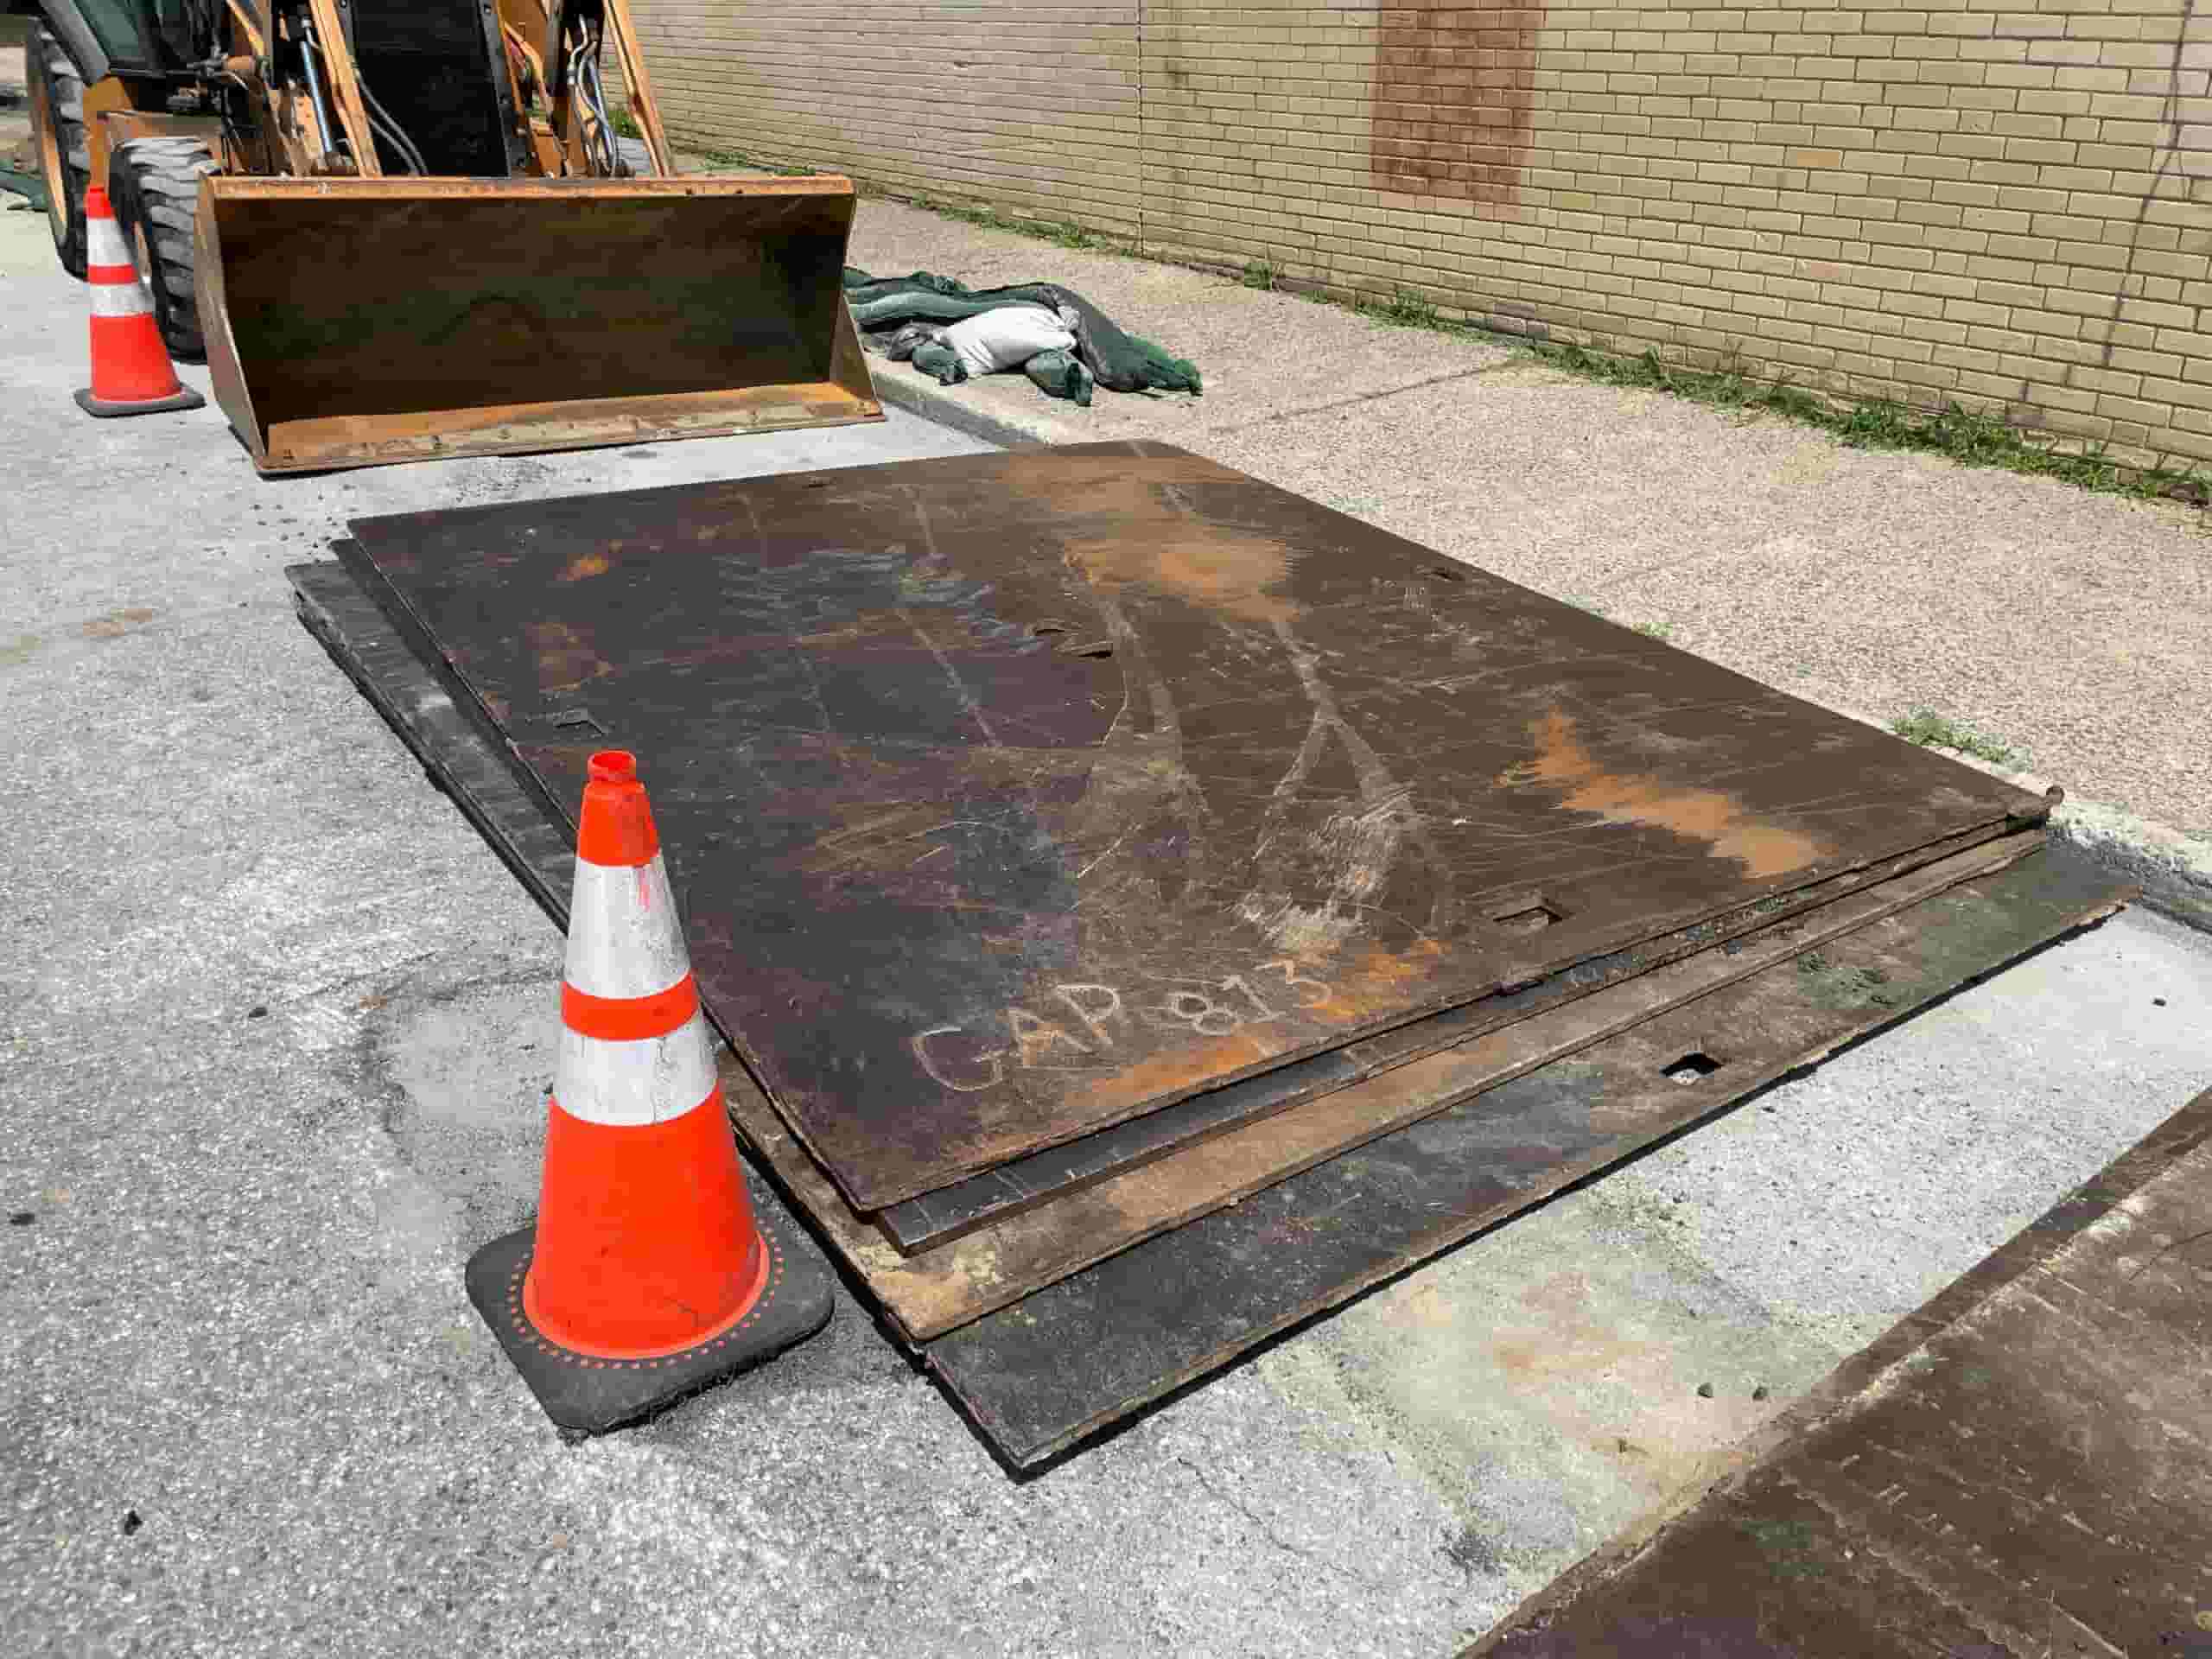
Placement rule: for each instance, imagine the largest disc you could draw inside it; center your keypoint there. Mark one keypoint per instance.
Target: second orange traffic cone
(648, 1273)
(132, 371)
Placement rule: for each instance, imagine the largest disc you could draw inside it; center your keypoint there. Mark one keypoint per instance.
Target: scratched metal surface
(927, 1295)
(1049, 1176)
(1013, 796)
(1172, 1307)
(1081, 1354)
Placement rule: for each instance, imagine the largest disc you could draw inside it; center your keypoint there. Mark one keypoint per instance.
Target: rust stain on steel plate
(1721, 820)
(1012, 796)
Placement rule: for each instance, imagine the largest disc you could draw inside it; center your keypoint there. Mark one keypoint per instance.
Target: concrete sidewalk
(2076, 627)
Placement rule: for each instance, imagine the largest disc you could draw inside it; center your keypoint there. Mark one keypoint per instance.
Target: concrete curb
(2174, 870)
(910, 389)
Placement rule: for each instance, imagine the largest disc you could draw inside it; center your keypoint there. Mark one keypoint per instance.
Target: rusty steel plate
(1013, 796)
(1113, 1311)
(1083, 1353)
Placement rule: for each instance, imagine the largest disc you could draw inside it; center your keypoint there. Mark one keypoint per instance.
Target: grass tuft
(739, 158)
(1061, 233)
(1405, 309)
(1261, 274)
(1069, 234)
(1925, 726)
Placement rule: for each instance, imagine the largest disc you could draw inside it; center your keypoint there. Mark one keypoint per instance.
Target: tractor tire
(57, 99)
(155, 185)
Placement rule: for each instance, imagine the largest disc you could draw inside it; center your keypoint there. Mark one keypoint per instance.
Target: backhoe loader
(396, 230)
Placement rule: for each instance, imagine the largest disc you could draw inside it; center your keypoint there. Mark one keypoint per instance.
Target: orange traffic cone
(132, 371)
(648, 1273)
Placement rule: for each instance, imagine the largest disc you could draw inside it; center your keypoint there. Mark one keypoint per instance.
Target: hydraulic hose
(393, 134)
(324, 119)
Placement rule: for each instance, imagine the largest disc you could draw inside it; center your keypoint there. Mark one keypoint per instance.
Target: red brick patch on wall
(1455, 97)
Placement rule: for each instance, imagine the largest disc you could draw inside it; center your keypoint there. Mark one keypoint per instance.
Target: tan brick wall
(1029, 105)
(2011, 207)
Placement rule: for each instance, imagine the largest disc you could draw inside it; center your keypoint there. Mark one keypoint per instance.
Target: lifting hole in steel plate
(1445, 572)
(576, 720)
(1047, 630)
(1531, 917)
(1694, 1067)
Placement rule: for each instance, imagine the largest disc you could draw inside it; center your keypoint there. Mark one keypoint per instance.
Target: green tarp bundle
(29, 186)
(1103, 351)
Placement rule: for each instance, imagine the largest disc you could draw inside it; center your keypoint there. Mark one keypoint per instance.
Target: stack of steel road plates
(1147, 907)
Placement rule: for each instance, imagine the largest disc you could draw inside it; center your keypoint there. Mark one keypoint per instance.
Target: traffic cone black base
(587, 1396)
(185, 398)
(651, 1270)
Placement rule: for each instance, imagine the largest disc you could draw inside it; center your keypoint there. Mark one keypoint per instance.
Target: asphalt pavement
(274, 1037)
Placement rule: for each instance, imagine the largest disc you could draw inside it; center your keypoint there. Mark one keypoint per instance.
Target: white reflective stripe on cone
(121, 300)
(624, 936)
(104, 244)
(628, 1085)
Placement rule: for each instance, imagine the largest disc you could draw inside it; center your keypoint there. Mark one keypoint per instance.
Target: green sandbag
(940, 362)
(1123, 361)
(29, 186)
(1060, 374)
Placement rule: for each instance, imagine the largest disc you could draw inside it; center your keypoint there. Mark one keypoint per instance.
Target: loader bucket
(352, 322)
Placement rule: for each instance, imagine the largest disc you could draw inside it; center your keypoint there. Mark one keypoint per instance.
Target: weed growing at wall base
(739, 158)
(1060, 234)
(1405, 310)
(1963, 434)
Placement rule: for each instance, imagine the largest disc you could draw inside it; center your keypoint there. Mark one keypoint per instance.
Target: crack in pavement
(1267, 1532)
(1364, 398)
